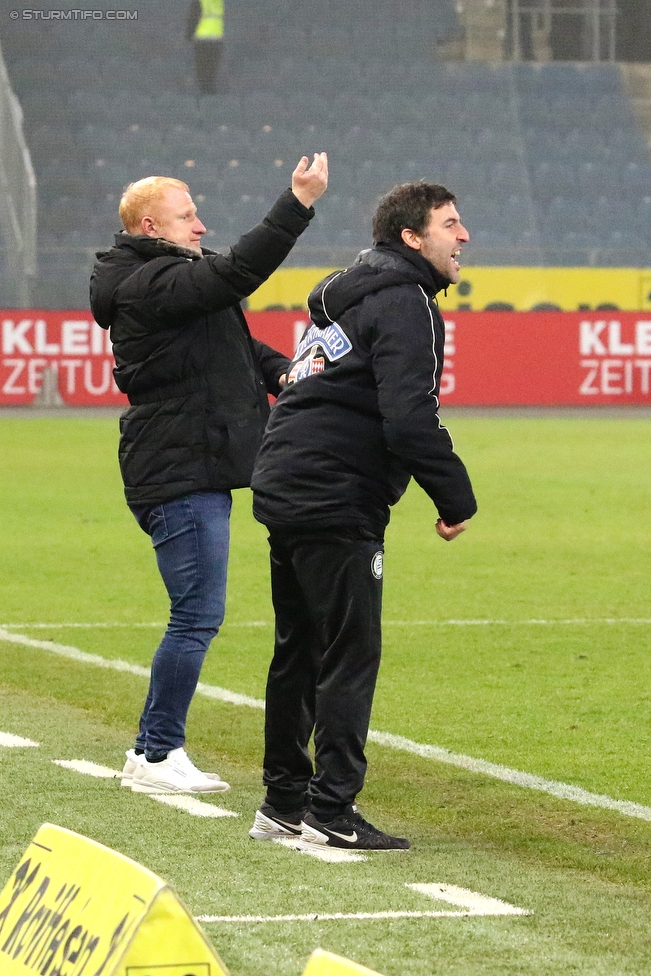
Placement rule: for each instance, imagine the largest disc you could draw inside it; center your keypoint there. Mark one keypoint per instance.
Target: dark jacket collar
(383, 254)
(376, 268)
(156, 247)
(118, 262)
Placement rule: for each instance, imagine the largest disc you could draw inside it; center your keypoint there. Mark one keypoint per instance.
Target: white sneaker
(134, 760)
(129, 768)
(175, 774)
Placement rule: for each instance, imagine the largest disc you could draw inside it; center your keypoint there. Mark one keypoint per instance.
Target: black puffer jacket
(196, 380)
(360, 415)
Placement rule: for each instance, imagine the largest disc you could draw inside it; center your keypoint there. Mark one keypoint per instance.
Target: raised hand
(309, 182)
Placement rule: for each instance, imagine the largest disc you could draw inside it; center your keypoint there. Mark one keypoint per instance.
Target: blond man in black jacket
(197, 384)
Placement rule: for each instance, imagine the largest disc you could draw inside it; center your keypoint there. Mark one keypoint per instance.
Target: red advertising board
(548, 358)
(492, 358)
(70, 342)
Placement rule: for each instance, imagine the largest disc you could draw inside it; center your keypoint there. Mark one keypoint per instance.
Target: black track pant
(327, 596)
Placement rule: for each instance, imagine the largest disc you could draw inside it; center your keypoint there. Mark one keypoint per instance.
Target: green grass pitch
(525, 642)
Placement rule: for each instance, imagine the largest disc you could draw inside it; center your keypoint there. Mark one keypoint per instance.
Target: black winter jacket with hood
(360, 416)
(196, 380)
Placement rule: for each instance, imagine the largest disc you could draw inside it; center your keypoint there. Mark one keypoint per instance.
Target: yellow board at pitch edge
(76, 907)
(322, 963)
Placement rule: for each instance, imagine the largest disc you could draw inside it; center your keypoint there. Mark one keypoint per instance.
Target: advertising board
(492, 358)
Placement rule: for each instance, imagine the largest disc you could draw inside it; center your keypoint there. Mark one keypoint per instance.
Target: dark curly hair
(407, 206)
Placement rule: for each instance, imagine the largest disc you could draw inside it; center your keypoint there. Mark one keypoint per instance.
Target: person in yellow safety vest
(205, 28)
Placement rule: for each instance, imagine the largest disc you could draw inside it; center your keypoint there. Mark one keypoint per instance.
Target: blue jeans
(190, 536)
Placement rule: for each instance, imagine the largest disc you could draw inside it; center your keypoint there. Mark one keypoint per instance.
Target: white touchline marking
(191, 805)
(106, 625)
(332, 855)
(10, 741)
(533, 622)
(78, 626)
(74, 653)
(115, 664)
(334, 917)
(476, 904)
(563, 791)
(232, 697)
(88, 768)
(582, 621)
(182, 801)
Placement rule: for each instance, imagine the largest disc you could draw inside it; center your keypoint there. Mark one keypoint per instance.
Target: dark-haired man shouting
(358, 419)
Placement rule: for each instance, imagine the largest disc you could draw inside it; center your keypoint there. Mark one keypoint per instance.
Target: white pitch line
(87, 768)
(9, 741)
(115, 664)
(191, 805)
(563, 791)
(334, 917)
(473, 903)
(331, 855)
(232, 697)
(79, 626)
(532, 622)
(580, 621)
(160, 625)
(65, 650)
(477, 904)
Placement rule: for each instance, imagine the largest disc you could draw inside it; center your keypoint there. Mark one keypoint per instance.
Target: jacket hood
(115, 264)
(378, 267)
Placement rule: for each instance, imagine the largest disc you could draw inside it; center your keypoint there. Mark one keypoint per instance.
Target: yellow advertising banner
(322, 963)
(73, 907)
(492, 288)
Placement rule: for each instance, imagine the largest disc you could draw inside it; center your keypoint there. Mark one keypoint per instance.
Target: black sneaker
(269, 824)
(350, 832)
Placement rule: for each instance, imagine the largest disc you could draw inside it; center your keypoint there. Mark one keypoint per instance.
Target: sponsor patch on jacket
(332, 340)
(315, 347)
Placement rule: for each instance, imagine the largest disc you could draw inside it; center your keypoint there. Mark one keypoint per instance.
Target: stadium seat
(511, 140)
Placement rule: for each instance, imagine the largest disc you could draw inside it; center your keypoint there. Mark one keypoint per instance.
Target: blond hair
(141, 198)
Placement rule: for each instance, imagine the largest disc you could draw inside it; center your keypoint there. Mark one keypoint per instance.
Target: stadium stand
(547, 160)
(17, 200)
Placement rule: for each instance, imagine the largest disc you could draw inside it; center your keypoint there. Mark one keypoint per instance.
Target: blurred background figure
(205, 29)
